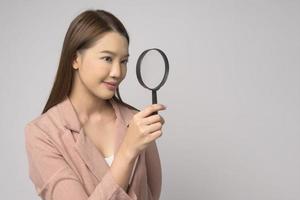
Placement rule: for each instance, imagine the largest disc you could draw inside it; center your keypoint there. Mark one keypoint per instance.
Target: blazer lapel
(83, 145)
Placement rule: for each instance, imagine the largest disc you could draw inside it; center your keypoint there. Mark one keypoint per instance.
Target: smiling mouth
(111, 83)
(110, 86)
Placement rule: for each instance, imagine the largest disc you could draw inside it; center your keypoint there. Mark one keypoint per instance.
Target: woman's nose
(116, 70)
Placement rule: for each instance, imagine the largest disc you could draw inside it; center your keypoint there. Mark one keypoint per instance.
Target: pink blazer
(65, 165)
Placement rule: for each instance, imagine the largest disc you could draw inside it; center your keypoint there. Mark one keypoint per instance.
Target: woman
(88, 143)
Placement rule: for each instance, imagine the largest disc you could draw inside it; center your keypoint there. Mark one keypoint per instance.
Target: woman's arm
(122, 167)
(55, 180)
(154, 170)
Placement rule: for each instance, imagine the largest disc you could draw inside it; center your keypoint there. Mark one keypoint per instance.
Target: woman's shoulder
(46, 124)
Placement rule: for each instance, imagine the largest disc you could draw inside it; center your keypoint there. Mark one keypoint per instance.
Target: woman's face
(105, 62)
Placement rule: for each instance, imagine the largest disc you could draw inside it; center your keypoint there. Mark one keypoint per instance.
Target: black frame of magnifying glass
(138, 69)
(139, 76)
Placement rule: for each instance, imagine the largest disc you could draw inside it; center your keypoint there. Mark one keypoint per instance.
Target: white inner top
(110, 159)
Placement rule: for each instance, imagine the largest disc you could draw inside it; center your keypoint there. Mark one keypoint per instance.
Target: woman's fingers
(144, 128)
(154, 135)
(150, 109)
(153, 127)
(153, 118)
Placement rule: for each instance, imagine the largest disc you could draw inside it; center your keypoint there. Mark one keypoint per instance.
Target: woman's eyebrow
(112, 53)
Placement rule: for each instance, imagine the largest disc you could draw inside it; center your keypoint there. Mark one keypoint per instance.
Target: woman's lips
(110, 85)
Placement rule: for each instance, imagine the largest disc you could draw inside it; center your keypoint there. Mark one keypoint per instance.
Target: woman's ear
(76, 60)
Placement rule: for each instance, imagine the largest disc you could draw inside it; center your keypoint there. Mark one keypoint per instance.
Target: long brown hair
(82, 33)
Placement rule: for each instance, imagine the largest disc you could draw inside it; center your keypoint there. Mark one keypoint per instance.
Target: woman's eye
(125, 61)
(107, 59)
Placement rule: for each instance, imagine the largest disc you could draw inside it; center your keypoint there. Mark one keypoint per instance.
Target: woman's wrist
(127, 155)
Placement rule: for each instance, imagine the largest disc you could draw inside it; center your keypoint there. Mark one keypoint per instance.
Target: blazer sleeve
(154, 176)
(54, 179)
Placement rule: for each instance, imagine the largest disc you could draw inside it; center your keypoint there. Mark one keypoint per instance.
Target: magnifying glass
(155, 64)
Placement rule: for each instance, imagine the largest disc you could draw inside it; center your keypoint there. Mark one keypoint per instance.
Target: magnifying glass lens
(152, 69)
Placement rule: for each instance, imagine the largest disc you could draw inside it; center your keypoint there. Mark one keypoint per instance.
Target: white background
(232, 127)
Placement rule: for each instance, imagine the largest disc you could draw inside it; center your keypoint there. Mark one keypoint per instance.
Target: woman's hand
(142, 130)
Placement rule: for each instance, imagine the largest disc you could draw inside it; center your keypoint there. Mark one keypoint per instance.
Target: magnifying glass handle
(154, 99)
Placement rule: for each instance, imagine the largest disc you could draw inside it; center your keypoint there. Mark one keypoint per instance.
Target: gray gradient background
(233, 93)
